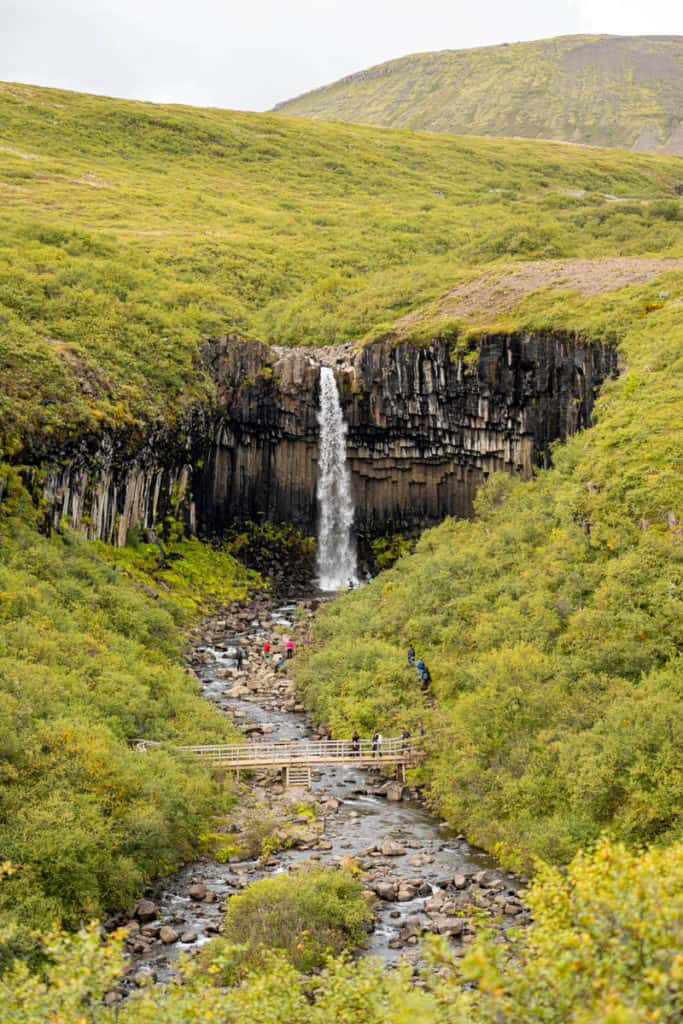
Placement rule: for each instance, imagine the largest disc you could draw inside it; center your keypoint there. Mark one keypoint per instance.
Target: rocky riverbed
(420, 877)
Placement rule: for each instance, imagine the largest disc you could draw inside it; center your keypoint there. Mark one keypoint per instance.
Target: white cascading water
(337, 565)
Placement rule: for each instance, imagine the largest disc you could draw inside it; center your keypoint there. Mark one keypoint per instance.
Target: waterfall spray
(336, 548)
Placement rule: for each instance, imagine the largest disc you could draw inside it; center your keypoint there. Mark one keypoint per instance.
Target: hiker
(422, 728)
(279, 661)
(411, 655)
(376, 743)
(355, 744)
(420, 666)
(265, 650)
(425, 678)
(289, 648)
(351, 584)
(239, 658)
(405, 736)
(368, 576)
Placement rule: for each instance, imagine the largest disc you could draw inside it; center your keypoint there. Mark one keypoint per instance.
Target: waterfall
(336, 547)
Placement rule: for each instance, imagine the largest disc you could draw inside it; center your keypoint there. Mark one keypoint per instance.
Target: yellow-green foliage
(602, 90)
(87, 663)
(551, 624)
(131, 232)
(197, 577)
(604, 946)
(308, 915)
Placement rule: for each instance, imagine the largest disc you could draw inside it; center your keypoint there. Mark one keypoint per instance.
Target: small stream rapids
(361, 823)
(337, 562)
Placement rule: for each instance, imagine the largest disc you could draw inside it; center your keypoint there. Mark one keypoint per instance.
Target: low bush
(307, 915)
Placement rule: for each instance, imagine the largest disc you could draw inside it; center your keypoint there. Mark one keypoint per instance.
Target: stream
(424, 877)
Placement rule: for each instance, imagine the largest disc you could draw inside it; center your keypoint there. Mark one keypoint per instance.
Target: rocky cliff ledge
(425, 430)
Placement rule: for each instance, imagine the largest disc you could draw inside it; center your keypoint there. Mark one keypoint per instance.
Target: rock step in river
(422, 877)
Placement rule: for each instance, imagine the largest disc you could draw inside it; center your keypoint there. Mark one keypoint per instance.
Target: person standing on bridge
(405, 736)
(355, 744)
(376, 743)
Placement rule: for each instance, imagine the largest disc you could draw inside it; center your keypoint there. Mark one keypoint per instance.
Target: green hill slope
(601, 90)
(131, 232)
(552, 624)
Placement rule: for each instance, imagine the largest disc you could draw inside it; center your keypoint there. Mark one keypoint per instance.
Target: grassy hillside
(552, 624)
(598, 90)
(131, 232)
(87, 663)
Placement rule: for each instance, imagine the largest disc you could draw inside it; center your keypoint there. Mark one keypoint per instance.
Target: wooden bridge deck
(299, 753)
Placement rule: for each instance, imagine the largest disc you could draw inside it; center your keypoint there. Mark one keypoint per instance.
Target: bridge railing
(300, 750)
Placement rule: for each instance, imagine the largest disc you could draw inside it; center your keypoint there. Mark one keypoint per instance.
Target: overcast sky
(251, 53)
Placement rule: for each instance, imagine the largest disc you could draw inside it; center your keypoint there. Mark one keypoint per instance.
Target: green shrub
(307, 915)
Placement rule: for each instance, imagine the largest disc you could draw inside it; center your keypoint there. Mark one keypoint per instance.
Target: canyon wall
(425, 430)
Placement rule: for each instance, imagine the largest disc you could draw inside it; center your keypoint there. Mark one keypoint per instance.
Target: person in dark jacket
(411, 655)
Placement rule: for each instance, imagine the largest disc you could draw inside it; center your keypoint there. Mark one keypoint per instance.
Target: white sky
(248, 54)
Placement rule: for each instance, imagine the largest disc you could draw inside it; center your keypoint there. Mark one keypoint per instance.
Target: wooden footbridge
(297, 757)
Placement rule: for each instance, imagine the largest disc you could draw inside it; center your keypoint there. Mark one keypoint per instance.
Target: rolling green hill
(599, 90)
(132, 232)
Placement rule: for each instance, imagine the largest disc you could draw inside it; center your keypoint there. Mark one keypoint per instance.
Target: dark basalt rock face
(425, 430)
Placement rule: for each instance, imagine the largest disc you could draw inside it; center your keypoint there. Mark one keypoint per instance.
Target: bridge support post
(298, 775)
(401, 772)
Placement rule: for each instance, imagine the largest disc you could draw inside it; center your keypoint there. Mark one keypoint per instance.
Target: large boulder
(391, 849)
(146, 910)
(444, 925)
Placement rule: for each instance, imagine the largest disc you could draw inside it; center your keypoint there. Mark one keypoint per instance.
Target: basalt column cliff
(425, 430)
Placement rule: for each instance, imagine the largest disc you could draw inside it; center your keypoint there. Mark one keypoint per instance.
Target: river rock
(385, 890)
(146, 910)
(396, 791)
(487, 880)
(389, 848)
(412, 927)
(198, 892)
(168, 935)
(435, 903)
(188, 937)
(145, 976)
(444, 925)
(421, 858)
